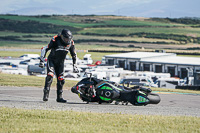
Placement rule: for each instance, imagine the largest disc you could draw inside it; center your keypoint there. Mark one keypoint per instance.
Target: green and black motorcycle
(91, 89)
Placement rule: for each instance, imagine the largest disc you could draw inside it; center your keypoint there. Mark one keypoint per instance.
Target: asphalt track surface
(172, 104)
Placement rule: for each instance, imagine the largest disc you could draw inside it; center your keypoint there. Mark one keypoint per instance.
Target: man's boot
(46, 94)
(59, 97)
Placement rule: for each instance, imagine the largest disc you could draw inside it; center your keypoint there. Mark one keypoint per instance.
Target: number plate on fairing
(141, 99)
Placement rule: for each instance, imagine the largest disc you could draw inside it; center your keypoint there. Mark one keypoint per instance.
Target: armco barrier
(188, 87)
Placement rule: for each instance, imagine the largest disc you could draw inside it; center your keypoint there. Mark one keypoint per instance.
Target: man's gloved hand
(75, 68)
(41, 64)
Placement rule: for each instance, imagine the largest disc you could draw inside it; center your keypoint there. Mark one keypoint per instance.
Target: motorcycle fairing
(107, 92)
(141, 98)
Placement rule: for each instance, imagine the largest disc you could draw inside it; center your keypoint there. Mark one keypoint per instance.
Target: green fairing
(141, 99)
(105, 99)
(106, 88)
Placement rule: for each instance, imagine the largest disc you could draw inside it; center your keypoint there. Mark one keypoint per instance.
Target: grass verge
(176, 90)
(21, 120)
(96, 56)
(15, 53)
(22, 81)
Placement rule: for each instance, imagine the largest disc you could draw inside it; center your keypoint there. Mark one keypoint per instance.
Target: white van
(87, 58)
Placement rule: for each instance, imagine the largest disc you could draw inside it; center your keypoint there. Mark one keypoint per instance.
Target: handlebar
(90, 75)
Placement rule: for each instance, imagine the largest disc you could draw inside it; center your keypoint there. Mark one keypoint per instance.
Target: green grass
(18, 44)
(26, 42)
(19, 80)
(15, 54)
(96, 56)
(96, 46)
(121, 22)
(11, 33)
(138, 39)
(42, 37)
(175, 90)
(66, 20)
(104, 23)
(189, 55)
(50, 20)
(21, 120)
(126, 31)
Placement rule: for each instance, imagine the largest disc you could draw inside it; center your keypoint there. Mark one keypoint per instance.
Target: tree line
(186, 20)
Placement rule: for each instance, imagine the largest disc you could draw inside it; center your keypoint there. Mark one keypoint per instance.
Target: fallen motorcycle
(91, 89)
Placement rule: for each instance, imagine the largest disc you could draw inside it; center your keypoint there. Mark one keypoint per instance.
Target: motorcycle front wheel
(153, 98)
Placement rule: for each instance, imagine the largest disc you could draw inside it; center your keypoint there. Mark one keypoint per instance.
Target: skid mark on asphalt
(172, 103)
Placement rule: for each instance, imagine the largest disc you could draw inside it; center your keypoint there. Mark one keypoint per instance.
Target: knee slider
(50, 74)
(49, 78)
(61, 79)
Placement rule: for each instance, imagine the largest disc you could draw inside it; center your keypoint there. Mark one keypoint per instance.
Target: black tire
(153, 98)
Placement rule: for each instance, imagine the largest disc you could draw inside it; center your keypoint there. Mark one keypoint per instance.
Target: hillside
(101, 31)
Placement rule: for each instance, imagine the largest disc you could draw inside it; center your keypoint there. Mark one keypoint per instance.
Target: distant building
(157, 62)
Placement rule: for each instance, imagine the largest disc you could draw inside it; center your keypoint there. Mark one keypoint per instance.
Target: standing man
(59, 46)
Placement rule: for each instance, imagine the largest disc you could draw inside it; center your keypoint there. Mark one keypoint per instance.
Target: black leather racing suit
(55, 62)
